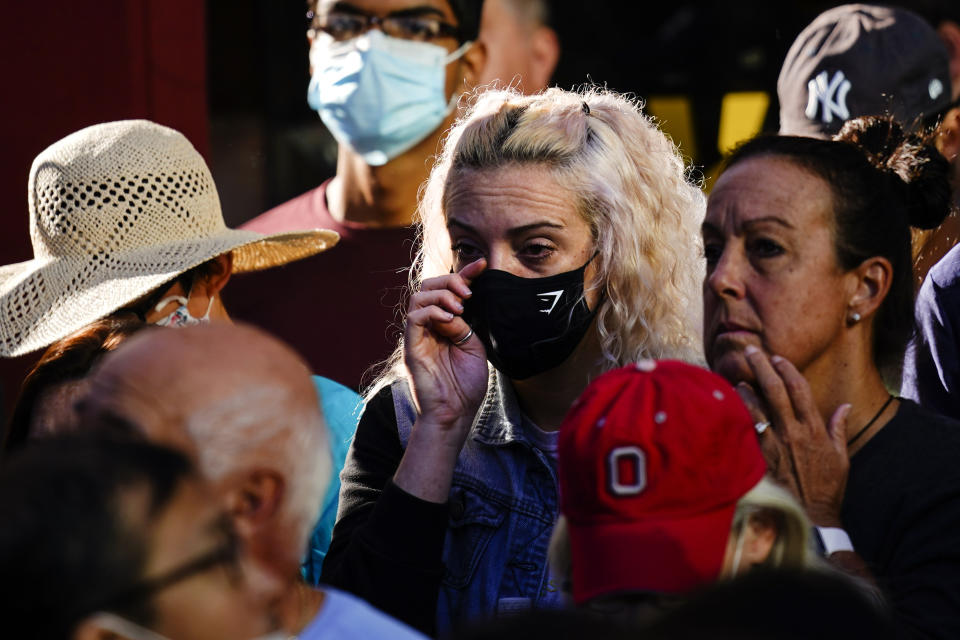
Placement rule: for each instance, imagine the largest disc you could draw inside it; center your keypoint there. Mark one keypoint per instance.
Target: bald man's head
(244, 405)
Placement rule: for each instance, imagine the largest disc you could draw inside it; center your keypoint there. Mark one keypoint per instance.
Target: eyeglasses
(226, 555)
(344, 26)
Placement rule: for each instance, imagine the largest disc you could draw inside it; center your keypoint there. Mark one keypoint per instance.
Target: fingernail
(459, 307)
(750, 350)
(448, 315)
(776, 359)
(467, 289)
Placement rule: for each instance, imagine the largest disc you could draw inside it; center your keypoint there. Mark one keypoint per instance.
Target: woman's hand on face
(803, 454)
(449, 378)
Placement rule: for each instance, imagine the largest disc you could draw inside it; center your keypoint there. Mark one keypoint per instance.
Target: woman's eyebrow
(709, 227)
(453, 222)
(515, 231)
(774, 219)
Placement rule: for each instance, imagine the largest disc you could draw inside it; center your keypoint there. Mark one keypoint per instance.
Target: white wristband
(834, 539)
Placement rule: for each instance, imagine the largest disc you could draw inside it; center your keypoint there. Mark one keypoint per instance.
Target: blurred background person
(808, 306)
(559, 240)
(663, 492)
(763, 604)
(944, 16)
(776, 604)
(386, 77)
(864, 60)
(551, 624)
(120, 539)
(243, 405)
(930, 370)
(522, 48)
(120, 213)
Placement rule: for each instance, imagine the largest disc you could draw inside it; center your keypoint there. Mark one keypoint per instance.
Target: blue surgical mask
(380, 95)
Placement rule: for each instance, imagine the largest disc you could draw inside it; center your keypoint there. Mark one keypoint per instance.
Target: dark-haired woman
(45, 405)
(808, 306)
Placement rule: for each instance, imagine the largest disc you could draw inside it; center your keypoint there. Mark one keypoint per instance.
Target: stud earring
(854, 318)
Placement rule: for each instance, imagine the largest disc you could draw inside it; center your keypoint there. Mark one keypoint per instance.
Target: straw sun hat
(116, 210)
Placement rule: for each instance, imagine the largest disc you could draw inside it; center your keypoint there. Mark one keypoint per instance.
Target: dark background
(232, 76)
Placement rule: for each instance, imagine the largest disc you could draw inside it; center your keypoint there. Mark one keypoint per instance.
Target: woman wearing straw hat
(118, 210)
(125, 216)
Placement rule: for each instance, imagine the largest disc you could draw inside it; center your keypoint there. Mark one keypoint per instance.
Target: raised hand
(449, 374)
(803, 454)
(448, 370)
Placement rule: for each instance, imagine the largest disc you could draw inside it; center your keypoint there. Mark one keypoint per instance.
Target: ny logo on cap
(831, 95)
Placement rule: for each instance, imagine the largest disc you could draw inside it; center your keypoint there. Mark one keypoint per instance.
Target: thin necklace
(872, 420)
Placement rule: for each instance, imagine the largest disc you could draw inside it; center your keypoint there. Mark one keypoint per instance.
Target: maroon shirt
(339, 309)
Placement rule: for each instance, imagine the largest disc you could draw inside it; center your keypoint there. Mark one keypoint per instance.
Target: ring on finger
(464, 338)
(761, 426)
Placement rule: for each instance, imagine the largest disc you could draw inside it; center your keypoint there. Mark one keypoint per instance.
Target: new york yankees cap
(653, 458)
(861, 60)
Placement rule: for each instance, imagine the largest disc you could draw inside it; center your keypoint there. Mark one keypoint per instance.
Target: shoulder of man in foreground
(346, 616)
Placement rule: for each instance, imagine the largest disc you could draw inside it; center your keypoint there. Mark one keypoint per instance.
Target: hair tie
(585, 107)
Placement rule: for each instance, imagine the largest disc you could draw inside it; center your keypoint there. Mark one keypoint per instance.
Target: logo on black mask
(528, 325)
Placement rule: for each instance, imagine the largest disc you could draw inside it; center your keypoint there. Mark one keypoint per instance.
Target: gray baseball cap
(859, 60)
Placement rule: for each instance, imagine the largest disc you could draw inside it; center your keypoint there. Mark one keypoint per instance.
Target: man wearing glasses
(386, 77)
(112, 538)
(243, 405)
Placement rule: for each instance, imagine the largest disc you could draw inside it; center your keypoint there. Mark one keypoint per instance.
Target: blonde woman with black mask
(559, 240)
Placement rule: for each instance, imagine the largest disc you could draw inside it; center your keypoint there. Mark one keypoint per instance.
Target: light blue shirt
(346, 617)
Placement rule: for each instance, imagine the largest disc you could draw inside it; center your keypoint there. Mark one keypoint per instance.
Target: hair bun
(918, 171)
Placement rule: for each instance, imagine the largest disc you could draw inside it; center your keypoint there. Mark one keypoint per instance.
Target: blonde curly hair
(634, 191)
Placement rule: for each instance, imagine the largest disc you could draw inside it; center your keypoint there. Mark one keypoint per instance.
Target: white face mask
(180, 317)
(132, 631)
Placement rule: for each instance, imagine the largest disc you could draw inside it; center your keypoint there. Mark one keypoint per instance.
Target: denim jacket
(503, 506)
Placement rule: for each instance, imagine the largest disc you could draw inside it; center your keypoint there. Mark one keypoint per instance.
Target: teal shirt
(341, 407)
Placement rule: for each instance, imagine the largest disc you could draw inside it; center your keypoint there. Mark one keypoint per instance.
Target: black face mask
(528, 325)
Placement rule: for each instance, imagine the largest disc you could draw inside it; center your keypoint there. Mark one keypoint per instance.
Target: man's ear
(255, 499)
(544, 55)
(473, 62)
(949, 33)
(873, 278)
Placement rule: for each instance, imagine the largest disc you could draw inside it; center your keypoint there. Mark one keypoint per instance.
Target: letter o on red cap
(626, 471)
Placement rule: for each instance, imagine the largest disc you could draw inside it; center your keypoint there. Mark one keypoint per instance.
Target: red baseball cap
(653, 459)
